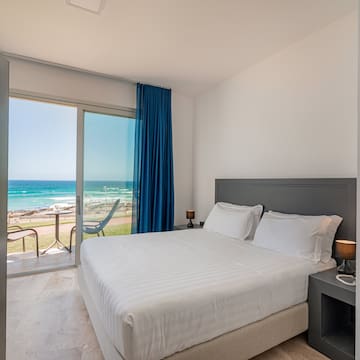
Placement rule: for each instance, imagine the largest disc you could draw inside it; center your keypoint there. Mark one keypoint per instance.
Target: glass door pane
(41, 194)
(108, 173)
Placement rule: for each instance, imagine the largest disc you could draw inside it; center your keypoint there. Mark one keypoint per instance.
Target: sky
(42, 143)
(108, 147)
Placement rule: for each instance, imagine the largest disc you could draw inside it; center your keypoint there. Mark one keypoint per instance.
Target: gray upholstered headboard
(296, 196)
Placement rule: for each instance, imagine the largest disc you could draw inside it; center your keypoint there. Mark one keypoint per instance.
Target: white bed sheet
(160, 293)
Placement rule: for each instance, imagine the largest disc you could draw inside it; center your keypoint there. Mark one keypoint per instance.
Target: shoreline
(92, 209)
(16, 217)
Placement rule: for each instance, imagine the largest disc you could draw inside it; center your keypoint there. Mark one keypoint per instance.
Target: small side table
(331, 316)
(184, 227)
(57, 240)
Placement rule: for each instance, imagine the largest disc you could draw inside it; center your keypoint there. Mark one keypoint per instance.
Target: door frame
(4, 130)
(82, 109)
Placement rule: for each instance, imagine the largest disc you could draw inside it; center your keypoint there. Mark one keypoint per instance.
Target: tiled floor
(47, 319)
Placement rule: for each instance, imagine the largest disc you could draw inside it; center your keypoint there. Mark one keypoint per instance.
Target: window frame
(81, 107)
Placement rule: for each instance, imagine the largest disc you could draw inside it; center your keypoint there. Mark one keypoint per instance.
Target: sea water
(41, 194)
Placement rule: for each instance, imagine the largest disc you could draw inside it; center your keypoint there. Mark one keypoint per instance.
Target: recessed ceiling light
(95, 6)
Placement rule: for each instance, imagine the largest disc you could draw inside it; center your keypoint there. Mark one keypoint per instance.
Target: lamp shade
(190, 214)
(346, 249)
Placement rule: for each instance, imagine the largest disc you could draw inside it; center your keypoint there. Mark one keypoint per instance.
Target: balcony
(20, 260)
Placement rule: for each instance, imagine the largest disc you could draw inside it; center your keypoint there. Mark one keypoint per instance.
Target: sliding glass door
(70, 177)
(105, 173)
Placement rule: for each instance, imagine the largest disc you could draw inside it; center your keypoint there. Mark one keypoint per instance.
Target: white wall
(292, 115)
(183, 116)
(62, 83)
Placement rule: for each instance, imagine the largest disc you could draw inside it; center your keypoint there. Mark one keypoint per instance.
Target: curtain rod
(65, 67)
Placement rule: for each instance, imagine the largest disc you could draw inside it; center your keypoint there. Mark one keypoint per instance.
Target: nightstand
(331, 316)
(184, 227)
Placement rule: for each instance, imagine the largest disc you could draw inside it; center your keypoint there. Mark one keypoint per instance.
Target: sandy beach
(92, 211)
(19, 217)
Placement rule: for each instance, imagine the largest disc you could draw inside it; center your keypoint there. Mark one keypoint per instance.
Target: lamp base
(346, 268)
(190, 224)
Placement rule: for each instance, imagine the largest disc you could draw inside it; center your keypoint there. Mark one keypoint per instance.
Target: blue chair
(96, 227)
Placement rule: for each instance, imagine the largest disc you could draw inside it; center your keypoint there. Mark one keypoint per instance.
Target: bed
(193, 294)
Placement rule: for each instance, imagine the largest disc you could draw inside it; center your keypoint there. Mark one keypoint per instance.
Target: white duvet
(161, 293)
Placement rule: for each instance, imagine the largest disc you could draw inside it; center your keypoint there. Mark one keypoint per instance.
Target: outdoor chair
(16, 232)
(96, 227)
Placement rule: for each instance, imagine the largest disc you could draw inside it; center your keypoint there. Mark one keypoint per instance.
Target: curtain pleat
(153, 198)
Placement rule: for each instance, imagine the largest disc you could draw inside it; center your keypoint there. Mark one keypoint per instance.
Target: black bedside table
(331, 316)
(184, 227)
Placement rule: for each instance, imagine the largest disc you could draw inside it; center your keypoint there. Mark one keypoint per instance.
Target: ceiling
(188, 45)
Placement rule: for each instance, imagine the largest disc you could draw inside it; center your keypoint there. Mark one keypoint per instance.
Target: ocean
(41, 194)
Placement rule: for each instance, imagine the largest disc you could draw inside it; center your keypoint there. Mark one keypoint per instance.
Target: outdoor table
(57, 240)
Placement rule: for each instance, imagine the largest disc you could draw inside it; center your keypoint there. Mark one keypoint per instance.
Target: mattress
(160, 293)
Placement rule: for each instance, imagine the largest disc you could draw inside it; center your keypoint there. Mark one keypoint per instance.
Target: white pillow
(229, 221)
(333, 222)
(292, 235)
(256, 211)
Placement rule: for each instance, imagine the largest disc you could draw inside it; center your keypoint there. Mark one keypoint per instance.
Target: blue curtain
(153, 199)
